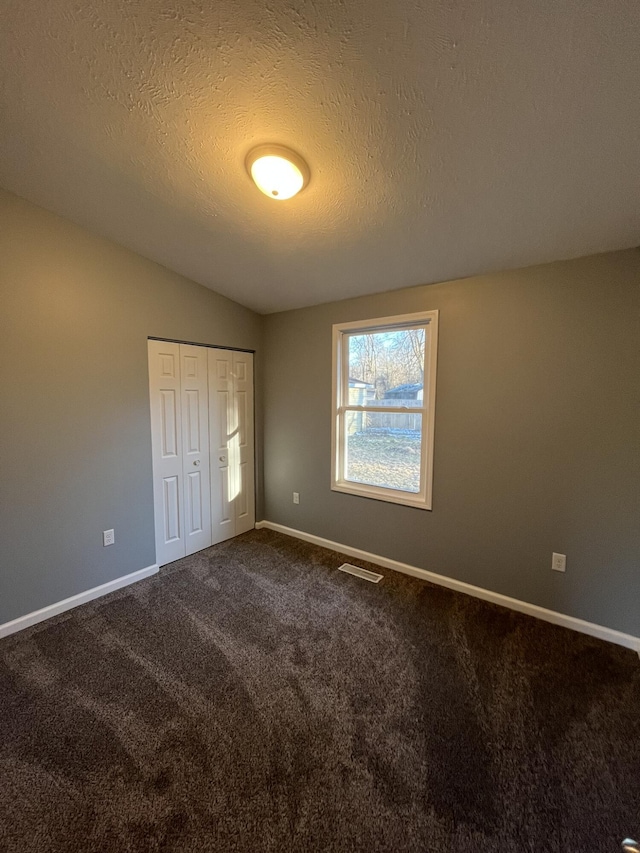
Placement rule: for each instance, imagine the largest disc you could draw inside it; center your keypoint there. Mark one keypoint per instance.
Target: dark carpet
(252, 698)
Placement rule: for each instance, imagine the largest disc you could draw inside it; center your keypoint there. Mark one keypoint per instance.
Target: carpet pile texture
(253, 698)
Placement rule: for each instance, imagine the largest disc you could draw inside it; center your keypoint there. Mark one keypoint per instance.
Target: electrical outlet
(559, 562)
(108, 537)
(296, 497)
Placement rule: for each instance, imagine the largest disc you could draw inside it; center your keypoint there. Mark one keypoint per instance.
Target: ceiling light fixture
(277, 171)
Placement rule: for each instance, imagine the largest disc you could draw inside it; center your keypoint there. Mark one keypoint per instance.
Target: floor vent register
(360, 573)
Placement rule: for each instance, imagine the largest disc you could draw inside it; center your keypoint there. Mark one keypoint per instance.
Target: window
(384, 387)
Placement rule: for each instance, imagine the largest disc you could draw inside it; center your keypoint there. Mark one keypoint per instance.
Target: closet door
(243, 446)
(221, 419)
(232, 439)
(195, 448)
(166, 436)
(202, 438)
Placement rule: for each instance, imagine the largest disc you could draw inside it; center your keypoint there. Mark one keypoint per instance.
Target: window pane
(383, 449)
(386, 368)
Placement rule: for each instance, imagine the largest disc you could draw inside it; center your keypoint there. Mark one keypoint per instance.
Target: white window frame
(340, 404)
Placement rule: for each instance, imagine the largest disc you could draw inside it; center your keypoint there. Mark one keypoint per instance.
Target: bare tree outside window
(384, 449)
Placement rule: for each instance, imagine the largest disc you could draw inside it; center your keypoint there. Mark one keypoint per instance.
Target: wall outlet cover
(108, 537)
(559, 562)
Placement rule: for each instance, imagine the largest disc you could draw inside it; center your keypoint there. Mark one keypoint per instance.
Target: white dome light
(277, 171)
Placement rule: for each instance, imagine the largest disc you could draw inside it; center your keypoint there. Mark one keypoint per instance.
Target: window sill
(378, 494)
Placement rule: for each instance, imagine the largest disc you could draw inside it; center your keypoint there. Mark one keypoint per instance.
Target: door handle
(197, 463)
(222, 458)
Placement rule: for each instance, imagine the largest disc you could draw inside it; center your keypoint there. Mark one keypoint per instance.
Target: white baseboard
(68, 603)
(608, 634)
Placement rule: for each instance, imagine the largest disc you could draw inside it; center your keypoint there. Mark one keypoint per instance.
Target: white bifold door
(231, 431)
(202, 439)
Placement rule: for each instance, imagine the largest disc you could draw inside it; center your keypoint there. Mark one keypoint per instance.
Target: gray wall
(75, 313)
(537, 440)
(536, 425)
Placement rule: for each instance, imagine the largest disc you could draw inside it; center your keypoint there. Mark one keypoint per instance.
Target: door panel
(195, 522)
(195, 447)
(166, 438)
(192, 417)
(245, 494)
(171, 509)
(222, 420)
(169, 425)
(220, 398)
(242, 506)
(231, 414)
(226, 522)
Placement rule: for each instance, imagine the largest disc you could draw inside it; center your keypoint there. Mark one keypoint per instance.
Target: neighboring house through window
(384, 384)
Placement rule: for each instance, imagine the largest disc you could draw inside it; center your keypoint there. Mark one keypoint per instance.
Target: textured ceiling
(445, 138)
